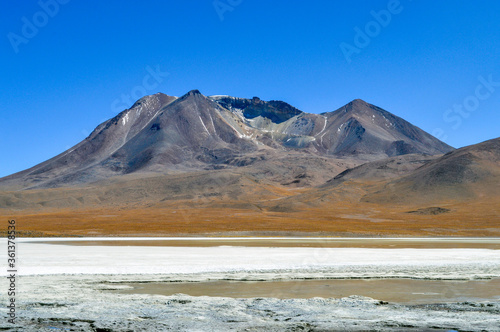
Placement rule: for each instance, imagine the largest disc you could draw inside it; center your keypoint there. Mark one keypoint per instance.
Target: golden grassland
(476, 218)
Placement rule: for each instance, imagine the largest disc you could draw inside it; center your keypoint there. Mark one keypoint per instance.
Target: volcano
(166, 134)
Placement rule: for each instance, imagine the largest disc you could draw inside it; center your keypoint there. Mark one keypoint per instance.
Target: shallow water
(404, 291)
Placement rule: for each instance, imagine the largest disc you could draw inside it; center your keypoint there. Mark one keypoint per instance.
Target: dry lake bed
(255, 284)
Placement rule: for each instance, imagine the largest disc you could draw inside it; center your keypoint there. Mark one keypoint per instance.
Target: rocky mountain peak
(358, 102)
(194, 92)
(256, 100)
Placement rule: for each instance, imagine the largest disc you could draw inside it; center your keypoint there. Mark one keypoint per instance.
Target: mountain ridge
(161, 133)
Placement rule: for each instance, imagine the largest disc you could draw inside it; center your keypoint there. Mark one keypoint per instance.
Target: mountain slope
(381, 170)
(467, 173)
(103, 141)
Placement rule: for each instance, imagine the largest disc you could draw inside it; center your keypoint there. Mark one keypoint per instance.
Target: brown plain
(329, 218)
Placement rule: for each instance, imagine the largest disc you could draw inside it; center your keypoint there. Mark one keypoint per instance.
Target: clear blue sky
(61, 79)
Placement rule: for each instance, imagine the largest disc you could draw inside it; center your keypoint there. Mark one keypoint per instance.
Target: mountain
(166, 134)
(226, 165)
(471, 172)
(357, 129)
(366, 130)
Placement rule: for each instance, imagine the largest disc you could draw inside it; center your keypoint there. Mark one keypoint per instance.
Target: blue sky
(68, 65)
